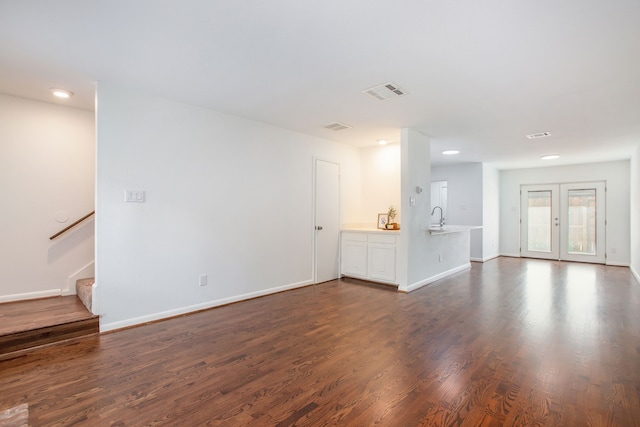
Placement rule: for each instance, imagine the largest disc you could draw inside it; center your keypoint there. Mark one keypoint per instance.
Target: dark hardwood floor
(512, 342)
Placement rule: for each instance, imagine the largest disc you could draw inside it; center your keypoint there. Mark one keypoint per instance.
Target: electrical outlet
(440, 258)
(203, 280)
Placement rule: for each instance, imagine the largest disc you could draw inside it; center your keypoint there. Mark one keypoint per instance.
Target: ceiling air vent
(539, 135)
(385, 91)
(336, 126)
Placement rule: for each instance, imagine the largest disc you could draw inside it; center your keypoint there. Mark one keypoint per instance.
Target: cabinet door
(354, 259)
(382, 262)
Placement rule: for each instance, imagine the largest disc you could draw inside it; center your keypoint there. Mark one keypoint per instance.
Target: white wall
(225, 196)
(465, 198)
(47, 168)
(635, 214)
(380, 182)
(616, 174)
(491, 212)
(419, 251)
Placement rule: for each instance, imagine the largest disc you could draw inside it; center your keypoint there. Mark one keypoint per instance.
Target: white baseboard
(509, 255)
(635, 274)
(618, 264)
(196, 307)
(485, 259)
(432, 279)
(31, 295)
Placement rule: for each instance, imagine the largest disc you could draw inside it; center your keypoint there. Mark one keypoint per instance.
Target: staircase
(29, 325)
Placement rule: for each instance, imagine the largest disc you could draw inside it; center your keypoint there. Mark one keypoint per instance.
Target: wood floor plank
(510, 342)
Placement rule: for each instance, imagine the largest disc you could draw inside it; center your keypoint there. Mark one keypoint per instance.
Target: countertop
(369, 230)
(452, 228)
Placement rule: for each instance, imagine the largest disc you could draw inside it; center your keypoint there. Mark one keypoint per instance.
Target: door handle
(318, 227)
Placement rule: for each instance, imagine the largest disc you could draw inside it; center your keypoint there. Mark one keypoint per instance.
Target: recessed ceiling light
(549, 157)
(383, 142)
(450, 152)
(61, 93)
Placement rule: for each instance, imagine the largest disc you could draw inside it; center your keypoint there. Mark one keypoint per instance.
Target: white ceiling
(480, 75)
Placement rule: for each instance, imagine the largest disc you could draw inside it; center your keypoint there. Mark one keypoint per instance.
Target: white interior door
(563, 221)
(539, 221)
(327, 220)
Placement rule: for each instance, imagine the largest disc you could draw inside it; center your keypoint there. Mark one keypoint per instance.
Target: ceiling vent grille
(336, 126)
(539, 135)
(385, 91)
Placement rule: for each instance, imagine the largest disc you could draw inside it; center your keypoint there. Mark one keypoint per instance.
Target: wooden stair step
(28, 325)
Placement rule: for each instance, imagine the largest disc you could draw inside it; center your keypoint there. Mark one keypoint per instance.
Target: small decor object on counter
(383, 220)
(391, 224)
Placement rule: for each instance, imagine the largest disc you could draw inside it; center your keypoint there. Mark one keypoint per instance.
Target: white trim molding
(31, 295)
(485, 259)
(618, 264)
(197, 307)
(635, 274)
(439, 276)
(510, 255)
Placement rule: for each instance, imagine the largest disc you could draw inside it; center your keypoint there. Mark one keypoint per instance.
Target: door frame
(314, 233)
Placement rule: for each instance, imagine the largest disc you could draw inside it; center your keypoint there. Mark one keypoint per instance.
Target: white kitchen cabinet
(369, 256)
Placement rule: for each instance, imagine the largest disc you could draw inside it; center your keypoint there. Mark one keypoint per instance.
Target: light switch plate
(134, 196)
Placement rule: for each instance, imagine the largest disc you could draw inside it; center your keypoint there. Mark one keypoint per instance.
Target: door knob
(318, 227)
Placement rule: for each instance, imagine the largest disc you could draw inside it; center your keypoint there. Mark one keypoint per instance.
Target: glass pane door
(563, 221)
(583, 210)
(539, 221)
(581, 221)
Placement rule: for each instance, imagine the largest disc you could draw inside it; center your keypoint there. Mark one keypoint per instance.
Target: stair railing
(72, 225)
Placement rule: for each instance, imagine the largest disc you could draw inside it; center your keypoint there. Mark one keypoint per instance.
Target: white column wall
(491, 212)
(47, 170)
(419, 252)
(635, 214)
(225, 196)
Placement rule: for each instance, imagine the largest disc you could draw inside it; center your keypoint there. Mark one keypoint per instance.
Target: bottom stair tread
(31, 324)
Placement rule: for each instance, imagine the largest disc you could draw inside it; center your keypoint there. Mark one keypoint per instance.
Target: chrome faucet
(441, 217)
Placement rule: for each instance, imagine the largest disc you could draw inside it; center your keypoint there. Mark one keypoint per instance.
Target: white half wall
(47, 181)
(224, 196)
(616, 175)
(635, 214)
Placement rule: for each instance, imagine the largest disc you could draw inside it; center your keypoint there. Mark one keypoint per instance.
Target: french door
(563, 221)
